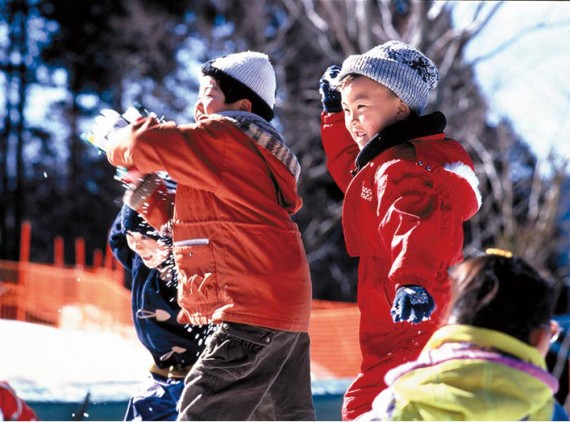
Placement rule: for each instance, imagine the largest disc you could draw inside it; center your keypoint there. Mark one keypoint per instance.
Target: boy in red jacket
(408, 189)
(239, 256)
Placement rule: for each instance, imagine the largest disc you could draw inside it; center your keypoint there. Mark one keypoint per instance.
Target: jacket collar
(265, 135)
(402, 131)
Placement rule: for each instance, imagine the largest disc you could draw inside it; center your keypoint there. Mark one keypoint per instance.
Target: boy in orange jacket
(408, 189)
(239, 256)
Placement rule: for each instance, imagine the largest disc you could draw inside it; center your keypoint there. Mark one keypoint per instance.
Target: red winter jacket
(239, 256)
(402, 215)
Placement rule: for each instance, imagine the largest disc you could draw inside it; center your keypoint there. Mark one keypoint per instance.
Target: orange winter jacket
(239, 255)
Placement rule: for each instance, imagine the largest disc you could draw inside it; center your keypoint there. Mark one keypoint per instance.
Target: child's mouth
(360, 136)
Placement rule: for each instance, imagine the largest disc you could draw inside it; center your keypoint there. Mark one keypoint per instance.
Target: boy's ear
(245, 105)
(403, 110)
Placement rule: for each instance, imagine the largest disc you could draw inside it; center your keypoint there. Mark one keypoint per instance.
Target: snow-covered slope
(45, 363)
(54, 370)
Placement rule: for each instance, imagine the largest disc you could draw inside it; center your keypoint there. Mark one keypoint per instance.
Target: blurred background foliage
(61, 61)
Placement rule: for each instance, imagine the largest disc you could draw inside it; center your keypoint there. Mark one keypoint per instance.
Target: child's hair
(501, 293)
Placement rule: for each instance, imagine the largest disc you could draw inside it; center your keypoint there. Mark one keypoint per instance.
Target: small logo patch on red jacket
(366, 193)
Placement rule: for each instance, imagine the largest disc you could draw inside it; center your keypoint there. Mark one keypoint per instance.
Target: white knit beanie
(400, 68)
(252, 69)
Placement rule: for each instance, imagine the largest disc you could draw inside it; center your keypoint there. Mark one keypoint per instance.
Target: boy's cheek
(351, 133)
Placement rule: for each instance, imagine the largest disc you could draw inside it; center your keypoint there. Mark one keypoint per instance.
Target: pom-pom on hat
(248, 74)
(399, 67)
(132, 221)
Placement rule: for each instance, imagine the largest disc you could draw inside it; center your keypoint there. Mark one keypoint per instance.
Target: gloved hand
(412, 304)
(330, 97)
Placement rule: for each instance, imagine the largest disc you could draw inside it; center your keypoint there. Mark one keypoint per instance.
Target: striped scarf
(264, 134)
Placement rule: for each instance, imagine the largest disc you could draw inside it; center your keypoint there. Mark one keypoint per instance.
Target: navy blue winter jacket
(154, 309)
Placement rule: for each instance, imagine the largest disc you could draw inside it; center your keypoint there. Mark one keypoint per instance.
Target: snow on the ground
(46, 363)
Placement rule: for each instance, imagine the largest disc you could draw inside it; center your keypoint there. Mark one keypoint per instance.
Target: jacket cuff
(410, 280)
(139, 194)
(330, 118)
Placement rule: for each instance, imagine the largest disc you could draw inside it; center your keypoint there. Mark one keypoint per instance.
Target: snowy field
(45, 363)
(54, 370)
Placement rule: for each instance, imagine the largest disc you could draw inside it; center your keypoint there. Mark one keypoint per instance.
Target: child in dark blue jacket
(174, 347)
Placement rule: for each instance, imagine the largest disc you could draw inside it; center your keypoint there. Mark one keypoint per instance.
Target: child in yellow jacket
(487, 362)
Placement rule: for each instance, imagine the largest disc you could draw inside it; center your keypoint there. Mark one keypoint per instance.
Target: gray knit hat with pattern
(252, 69)
(400, 68)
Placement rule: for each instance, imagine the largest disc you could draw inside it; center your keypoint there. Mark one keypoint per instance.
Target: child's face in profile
(368, 108)
(211, 99)
(152, 251)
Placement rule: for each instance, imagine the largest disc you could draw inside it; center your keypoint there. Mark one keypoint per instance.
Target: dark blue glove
(412, 304)
(330, 97)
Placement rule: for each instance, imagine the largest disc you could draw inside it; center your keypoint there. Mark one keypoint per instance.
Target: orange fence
(333, 329)
(95, 299)
(64, 297)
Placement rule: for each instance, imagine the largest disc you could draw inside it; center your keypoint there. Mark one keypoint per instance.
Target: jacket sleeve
(412, 224)
(193, 155)
(119, 246)
(340, 149)
(152, 199)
